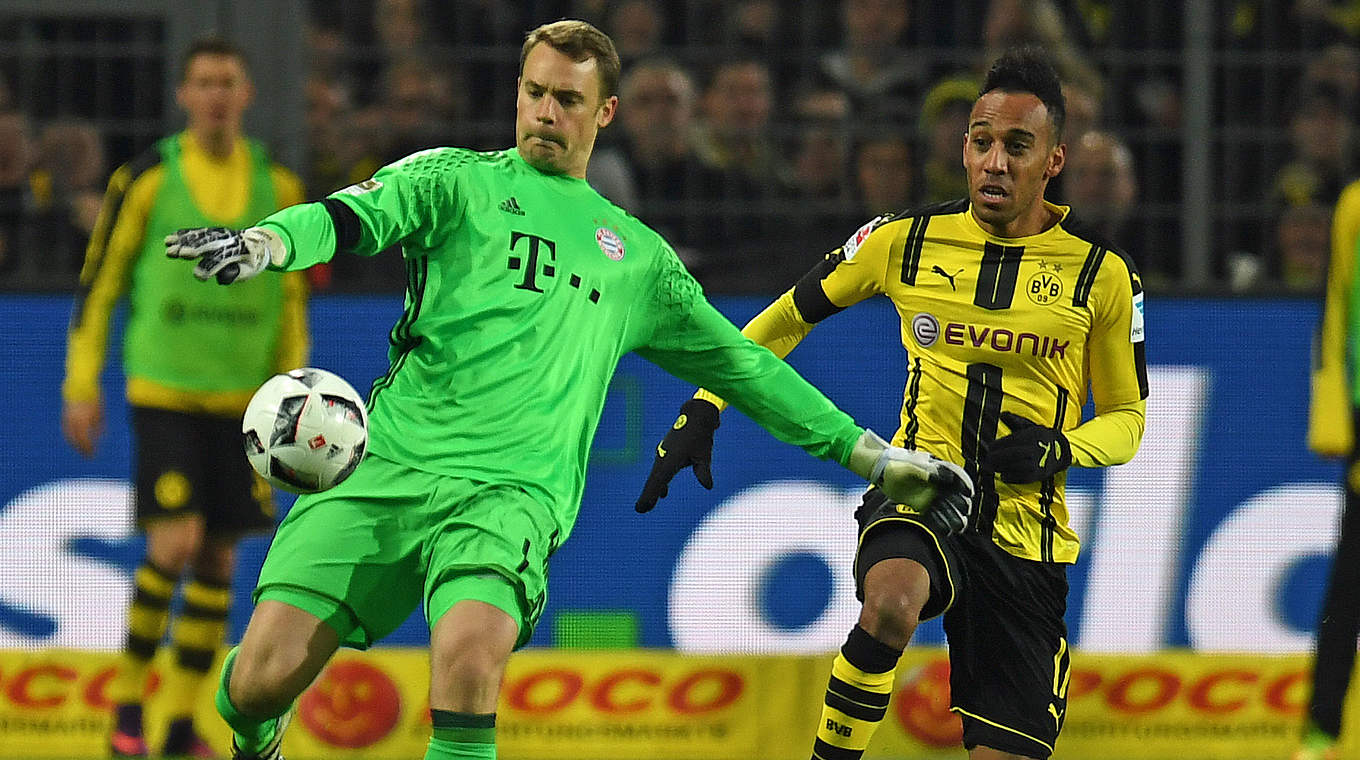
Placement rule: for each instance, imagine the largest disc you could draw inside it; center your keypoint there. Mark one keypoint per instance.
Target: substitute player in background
(193, 356)
(1009, 314)
(1333, 409)
(525, 288)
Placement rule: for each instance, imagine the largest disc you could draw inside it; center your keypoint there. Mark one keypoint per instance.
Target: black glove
(1030, 453)
(951, 511)
(689, 442)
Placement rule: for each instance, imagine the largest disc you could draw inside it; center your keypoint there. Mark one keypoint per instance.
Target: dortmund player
(525, 287)
(1334, 406)
(193, 357)
(1010, 312)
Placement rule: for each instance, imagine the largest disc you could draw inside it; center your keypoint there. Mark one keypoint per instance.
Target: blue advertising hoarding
(1215, 537)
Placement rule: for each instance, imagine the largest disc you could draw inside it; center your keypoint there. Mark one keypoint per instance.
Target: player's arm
(404, 202)
(704, 348)
(1330, 425)
(844, 277)
(1030, 452)
(852, 272)
(104, 277)
(1119, 384)
(693, 341)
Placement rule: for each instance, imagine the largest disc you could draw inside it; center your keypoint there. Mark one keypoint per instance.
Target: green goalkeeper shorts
(362, 555)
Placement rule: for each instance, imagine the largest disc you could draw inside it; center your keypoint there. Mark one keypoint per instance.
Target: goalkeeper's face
(559, 111)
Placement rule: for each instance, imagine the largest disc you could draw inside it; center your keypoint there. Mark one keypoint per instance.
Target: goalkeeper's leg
(284, 649)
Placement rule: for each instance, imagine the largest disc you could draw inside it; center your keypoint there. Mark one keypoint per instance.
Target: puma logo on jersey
(937, 269)
(511, 206)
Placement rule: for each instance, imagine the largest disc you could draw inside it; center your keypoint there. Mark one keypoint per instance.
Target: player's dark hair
(216, 46)
(578, 41)
(1030, 69)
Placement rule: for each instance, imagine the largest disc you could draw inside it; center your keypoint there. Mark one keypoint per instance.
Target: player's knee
(893, 600)
(215, 562)
(172, 545)
(465, 676)
(890, 615)
(265, 681)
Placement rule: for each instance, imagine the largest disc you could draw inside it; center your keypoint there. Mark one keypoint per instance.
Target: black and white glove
(1030, 454)
(689, 443)
(229, 255)
(938, 490)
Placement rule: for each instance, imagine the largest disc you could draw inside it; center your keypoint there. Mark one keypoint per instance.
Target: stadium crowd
(756, 128)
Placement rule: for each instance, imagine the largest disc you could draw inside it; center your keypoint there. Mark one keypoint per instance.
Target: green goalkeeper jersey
(524, 290)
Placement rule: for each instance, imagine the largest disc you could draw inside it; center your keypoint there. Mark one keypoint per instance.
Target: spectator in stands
(1302, 236)
(737, 140)
(821, 150)
(884, 173)
(17, 196)
(943, 127)
(1102, 186)
(883, 79)
(638, 28)
(70, 164)
(735, 133)
(654, 170)
(1321, 140)
(1010, 23)
(421, 105)
(1325, 20)
(1337, 65)
(761, 29)
(399, 27)
(329, 102)
(823, 203)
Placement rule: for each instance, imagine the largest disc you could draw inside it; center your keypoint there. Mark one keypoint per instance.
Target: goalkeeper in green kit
(524, 289)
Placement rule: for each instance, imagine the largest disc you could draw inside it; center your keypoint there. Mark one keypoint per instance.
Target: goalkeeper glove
(1030, 453)
(689, 442)
(226, 254)
(940, 492)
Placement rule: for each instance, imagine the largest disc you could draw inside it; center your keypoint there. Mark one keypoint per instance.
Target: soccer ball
(305, 430)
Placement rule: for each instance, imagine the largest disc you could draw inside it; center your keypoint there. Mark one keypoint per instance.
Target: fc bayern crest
(609, 243)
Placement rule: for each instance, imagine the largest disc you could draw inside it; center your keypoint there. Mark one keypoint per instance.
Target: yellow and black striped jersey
(1025, 325)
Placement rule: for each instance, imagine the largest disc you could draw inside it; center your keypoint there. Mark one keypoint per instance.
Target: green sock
(1315, 738)
(251, 734)
(462, 736)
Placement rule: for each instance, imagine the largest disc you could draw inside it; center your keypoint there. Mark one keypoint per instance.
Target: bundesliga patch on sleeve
(367, 185)
(1136, 321)
(862, 234)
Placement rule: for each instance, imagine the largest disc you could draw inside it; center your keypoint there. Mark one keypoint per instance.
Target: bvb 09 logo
(1044, 288)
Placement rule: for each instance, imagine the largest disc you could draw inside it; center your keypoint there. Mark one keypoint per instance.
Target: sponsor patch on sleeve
(1136, 321)
(862, 234)
(367, 185)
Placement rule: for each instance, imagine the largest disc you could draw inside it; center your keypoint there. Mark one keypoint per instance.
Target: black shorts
(196, 464)
(1003, 617)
